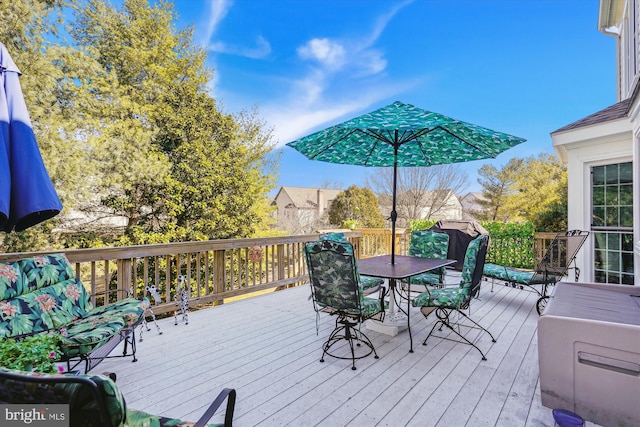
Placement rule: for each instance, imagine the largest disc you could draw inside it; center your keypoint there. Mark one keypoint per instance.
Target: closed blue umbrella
(27, 196)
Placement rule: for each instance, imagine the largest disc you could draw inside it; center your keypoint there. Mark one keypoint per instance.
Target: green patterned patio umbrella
(403, 135)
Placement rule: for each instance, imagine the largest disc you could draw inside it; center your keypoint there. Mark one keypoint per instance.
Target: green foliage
(36, 353)
(532, 189)
(497, 186)
(127, 127)
(511, 244)
(421, 224)
(356, 204)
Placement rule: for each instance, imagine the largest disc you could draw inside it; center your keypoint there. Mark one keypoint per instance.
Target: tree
(170, 160)
(542, 193)
(420, 190)
(497, 185)
(356, 204)
(127, 128)
(532, 189)
(29, 31)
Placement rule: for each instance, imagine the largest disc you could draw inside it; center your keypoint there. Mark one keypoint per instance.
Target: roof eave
(610, 16)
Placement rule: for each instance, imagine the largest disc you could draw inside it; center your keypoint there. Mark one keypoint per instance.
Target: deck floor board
(267, 348)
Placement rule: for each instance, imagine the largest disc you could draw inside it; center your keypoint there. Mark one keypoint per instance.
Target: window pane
(613, 261)
(613, 241)
(598, 175)
(613, 278)
(611, 217)
(600, 240)
(627, 262)
(626, 195)
(626, 216)
(598, 217)
(627, 279)
(611, 174)
(627, 242)
(600, 276)
(600, 259)
(598, 196)
(626, 172)
(612, 195)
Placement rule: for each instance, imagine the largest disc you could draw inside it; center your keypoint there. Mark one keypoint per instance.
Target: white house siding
(581, 149)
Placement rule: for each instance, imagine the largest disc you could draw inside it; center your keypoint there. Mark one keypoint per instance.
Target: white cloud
(306, 107)
(300, 117)
(261, 49)
(346, 60)
(329, 53)
(217, 11)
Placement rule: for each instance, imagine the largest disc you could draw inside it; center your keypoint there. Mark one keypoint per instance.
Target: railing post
(219, 278)
(124, 275)
(280, 261)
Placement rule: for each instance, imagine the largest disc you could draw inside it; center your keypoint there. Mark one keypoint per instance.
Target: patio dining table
(404, 267)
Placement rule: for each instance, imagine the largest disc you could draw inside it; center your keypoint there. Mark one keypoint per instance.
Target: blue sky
(524, 67)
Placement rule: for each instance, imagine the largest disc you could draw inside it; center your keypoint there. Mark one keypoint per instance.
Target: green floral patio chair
(450, 300)
(95, 400)
(369, 284)
(429, 244)
(336, 289)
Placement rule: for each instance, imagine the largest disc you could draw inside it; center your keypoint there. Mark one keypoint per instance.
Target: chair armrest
(230, 395)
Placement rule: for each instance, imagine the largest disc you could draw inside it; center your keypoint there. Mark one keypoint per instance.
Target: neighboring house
(427, 204)
(302, 210)
(470, 205)
(602, 152)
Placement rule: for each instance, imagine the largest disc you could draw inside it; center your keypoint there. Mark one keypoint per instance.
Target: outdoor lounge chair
(93, 400)
(550, 269)
(449, 301)
(336, 289)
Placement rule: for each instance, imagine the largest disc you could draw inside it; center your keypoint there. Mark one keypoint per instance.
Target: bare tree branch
(422, 192)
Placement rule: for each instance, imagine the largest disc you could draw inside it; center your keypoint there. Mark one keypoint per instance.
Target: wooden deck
(267, 349)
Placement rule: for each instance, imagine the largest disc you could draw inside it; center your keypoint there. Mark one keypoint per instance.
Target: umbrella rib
(337, 141)
(463, 141)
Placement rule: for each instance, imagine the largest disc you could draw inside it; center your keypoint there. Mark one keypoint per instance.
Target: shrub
(36, 353)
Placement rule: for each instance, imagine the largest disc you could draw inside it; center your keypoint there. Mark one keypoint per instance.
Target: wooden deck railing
(215, 270)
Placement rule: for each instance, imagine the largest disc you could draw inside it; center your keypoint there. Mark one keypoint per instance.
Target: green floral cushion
(71, 299)
(83, 335)
(455, 297)
(338, 237)
(45, 270)
(367, 282)
(26, 314)
(444, 297)
(137, 418)
(130, 309)
(333, 274)
(426, 279)
(508, 274)
(429, 244)
(11, 280)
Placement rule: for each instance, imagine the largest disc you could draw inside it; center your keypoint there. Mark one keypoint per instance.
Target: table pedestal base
(392, 325)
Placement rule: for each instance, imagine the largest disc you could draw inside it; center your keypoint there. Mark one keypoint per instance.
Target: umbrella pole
(394, 213)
